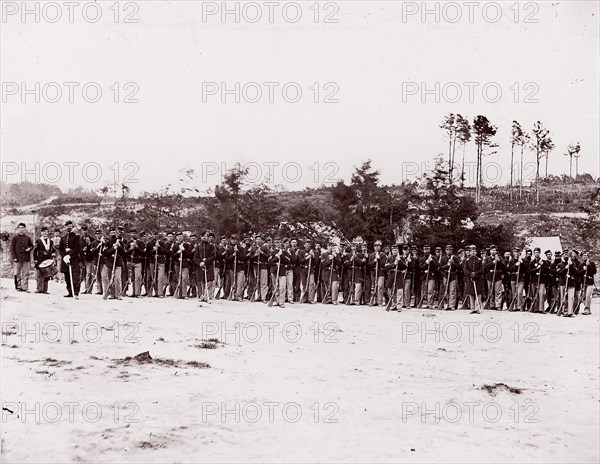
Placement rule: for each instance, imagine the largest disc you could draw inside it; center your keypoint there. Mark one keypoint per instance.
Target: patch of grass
(492, 389)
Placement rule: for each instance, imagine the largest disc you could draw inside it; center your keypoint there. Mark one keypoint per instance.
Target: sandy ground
(304, 383)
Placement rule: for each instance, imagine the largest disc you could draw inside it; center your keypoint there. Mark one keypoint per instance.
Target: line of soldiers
(280, 271)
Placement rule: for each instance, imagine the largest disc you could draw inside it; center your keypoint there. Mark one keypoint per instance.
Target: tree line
(538, 141)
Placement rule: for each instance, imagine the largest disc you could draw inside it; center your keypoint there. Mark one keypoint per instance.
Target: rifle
(493, 289)
(155, 275)
(393, 295)
(307, 280)
(376, 286)
(582, 291)
(446, 292)
(412, 284)
(180, 280)
(270, 303)
(512, 303)
(112, 275)
(89, 289)
(475, 310)
(566, 297)
(350, 297)
(537, 292)
(423, 293)
(330, 282)
(257, 283)
(234, 280)
(247, 280)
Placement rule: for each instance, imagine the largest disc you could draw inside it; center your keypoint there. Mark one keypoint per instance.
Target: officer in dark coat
(473, 271)
(70, 250)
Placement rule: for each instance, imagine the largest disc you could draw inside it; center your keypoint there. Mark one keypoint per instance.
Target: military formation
(280, 271)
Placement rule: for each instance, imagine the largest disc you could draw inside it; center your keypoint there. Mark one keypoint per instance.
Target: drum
(48, 268)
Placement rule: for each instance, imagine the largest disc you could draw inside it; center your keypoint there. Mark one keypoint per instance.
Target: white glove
(67, 259)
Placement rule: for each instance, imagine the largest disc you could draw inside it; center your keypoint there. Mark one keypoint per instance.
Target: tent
(545, 243)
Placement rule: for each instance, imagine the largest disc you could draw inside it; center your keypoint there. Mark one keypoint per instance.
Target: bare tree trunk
(571, 167)
(576, 168)
(453, 158)
(537, 177)
(547, 156)
(450, 158)
(521, 175)
(512, 160)
(462, 177)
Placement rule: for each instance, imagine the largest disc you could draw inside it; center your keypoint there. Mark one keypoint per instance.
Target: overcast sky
(375, 50)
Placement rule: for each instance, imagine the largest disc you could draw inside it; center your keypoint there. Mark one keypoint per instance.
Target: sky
(375, 81)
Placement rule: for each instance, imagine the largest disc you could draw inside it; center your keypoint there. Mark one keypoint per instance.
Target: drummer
(44, 251)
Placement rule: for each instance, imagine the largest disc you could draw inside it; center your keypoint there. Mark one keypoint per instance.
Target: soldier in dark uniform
(439, 281)
(528, 291)
(171, 281)
(494, 266)
(460, 281)
(158, 251)
(204, 258)
(412, 273)
(354, 275)
(114, 254)
(569, 274)
(70, 249)
(396, 268)
(21, 247)
(193, 290)
(42, 250)
(517, 270)
(278, 260)
(449, 265)
(136, 253)
(289, 270)
(181, 254)
(539, 271)
(376, 265)
(98, 262)
(241, 255)
(125, 278)
(473, 271)
(506, 286)
(550, 281)
(308, 263)
(261, 254)
(88, 260)
(295, 256)
(428, 265)
(331, 267)
(230, 260)
(588, 271)
(368, 283)
(85, 239)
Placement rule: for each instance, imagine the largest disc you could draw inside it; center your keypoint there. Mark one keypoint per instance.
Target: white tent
(545, 243)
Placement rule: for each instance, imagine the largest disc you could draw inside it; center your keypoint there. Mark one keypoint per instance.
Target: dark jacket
(20, 248)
